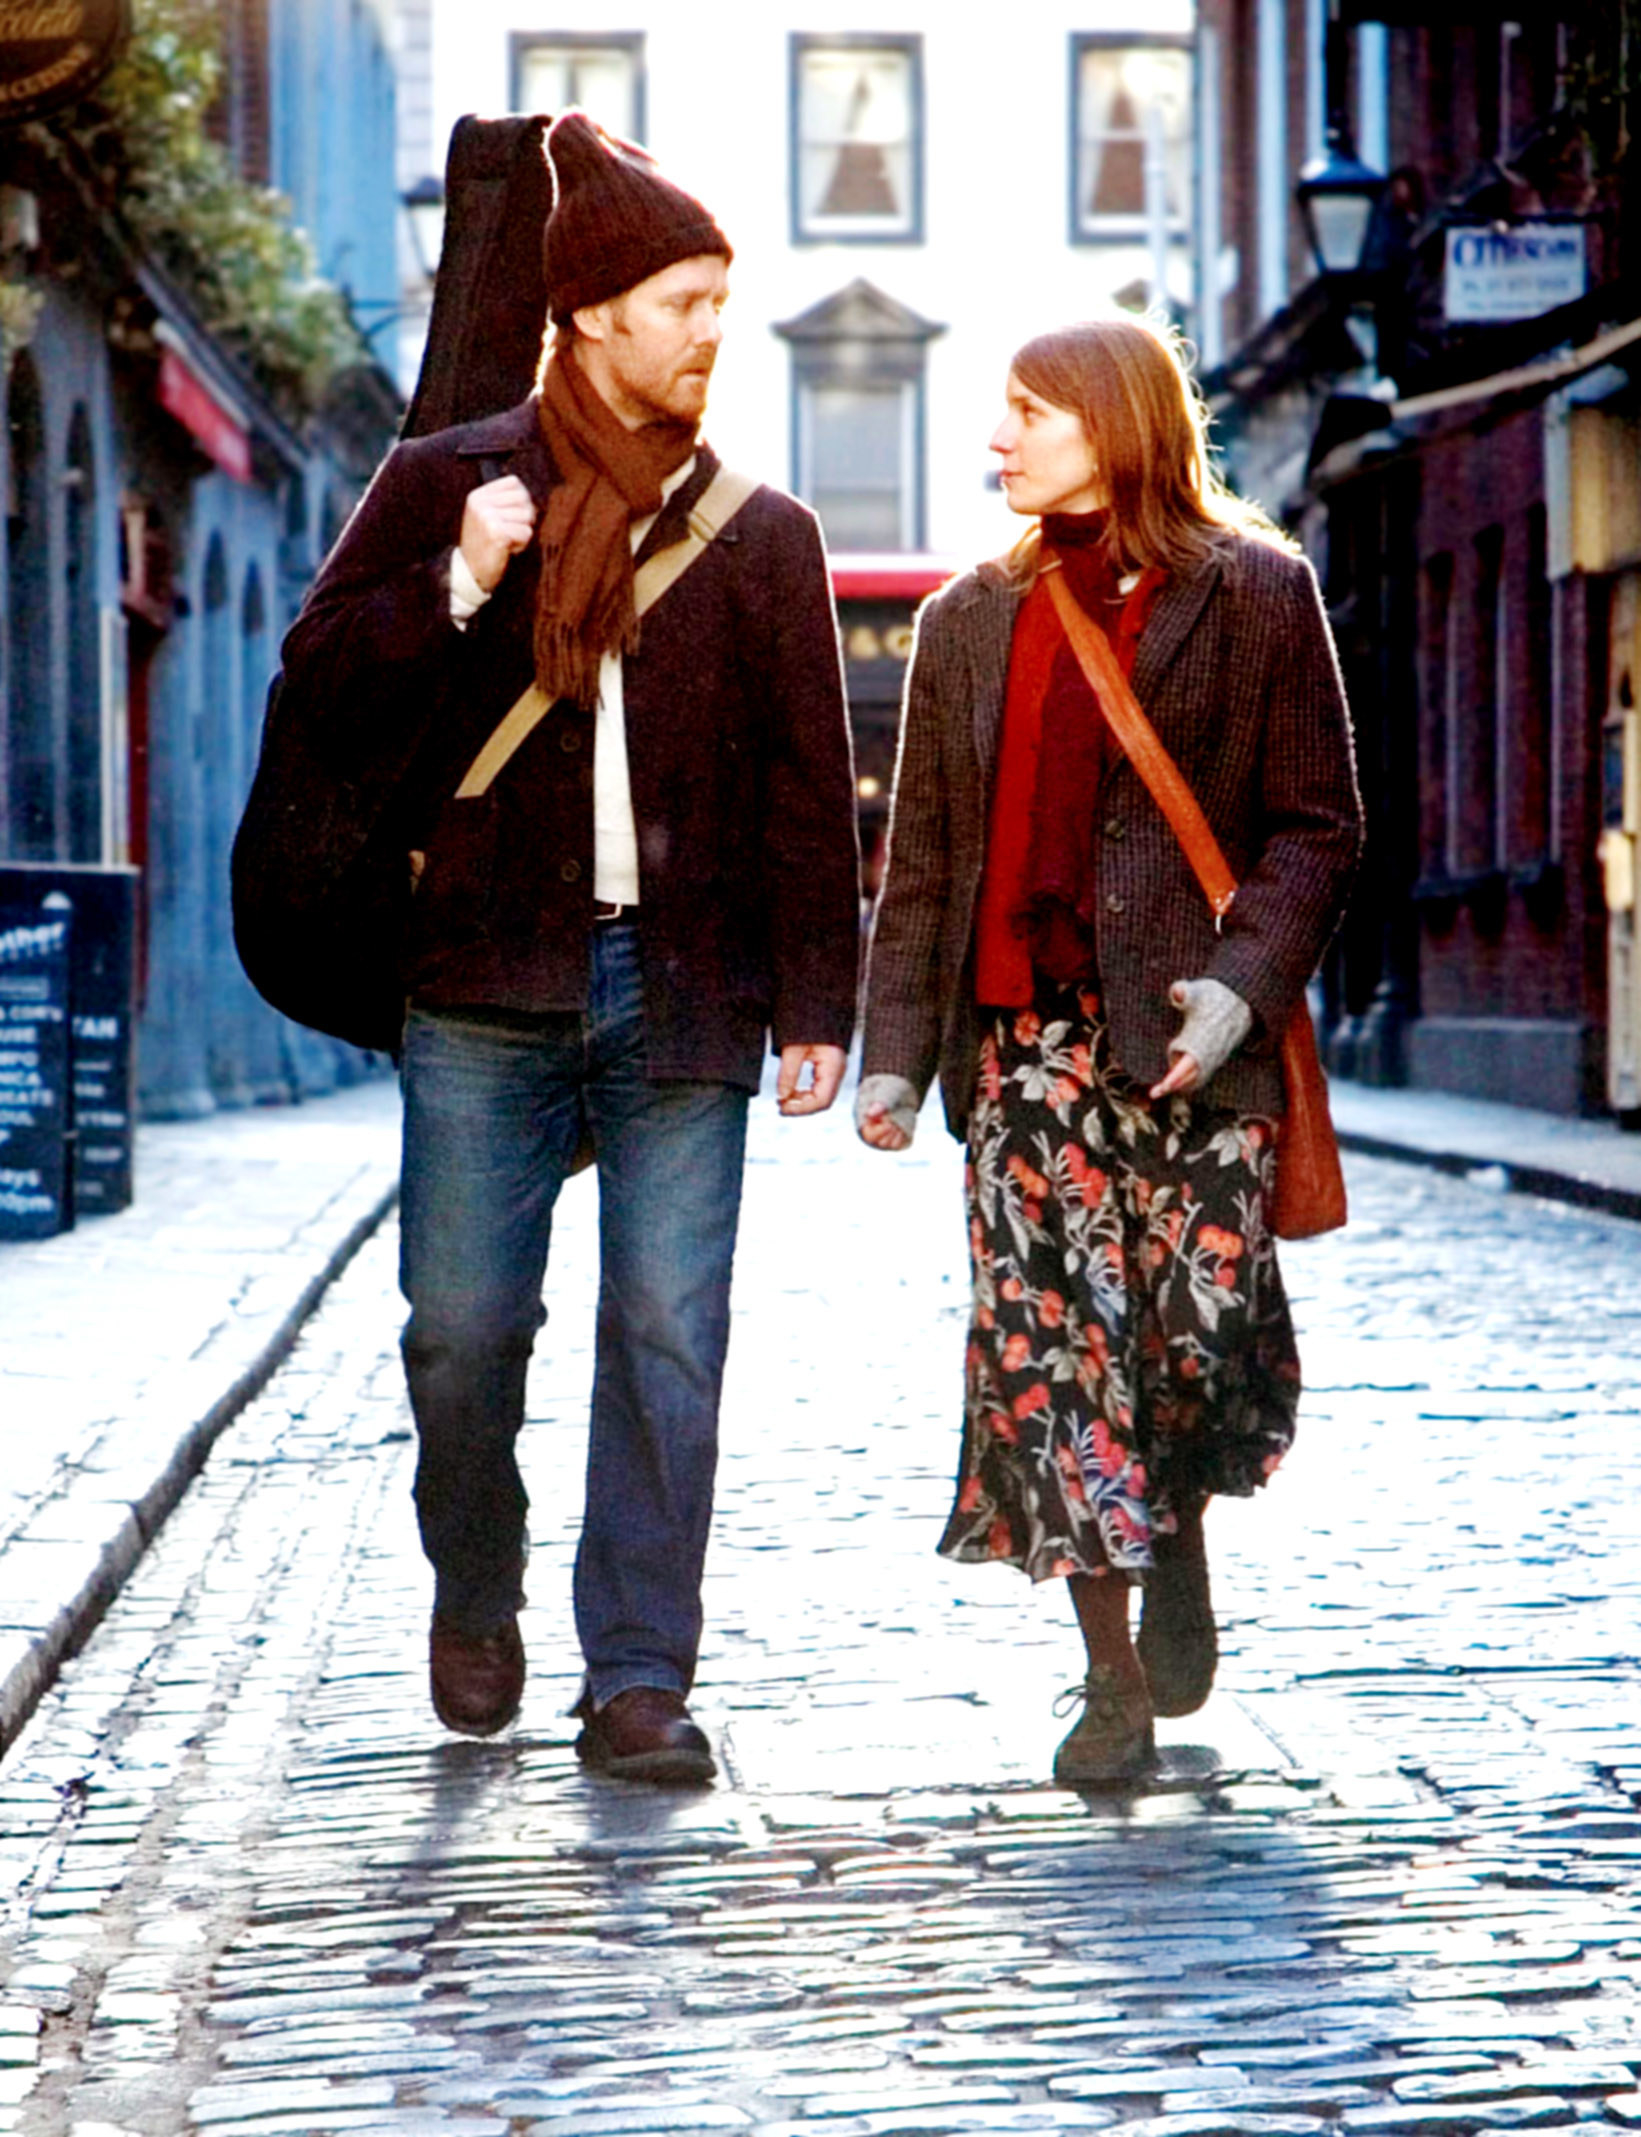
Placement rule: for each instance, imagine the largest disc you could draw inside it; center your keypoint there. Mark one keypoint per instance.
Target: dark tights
(1101, 1601)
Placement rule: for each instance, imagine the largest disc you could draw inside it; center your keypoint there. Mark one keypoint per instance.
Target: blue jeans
(495, 1103)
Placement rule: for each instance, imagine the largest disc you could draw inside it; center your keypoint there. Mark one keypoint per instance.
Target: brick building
(1453, 428)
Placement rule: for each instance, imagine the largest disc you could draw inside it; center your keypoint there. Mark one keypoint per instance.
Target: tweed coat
(738, 749)
(1237, 673)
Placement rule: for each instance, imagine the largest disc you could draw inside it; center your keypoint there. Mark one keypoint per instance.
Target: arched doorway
(295, 563)
(217, 743)
(31, 768)
(85, 710)
(265, 1062)
(253, 665)
(146, 602)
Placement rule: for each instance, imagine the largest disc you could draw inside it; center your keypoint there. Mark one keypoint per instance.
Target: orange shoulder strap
(1138, 738)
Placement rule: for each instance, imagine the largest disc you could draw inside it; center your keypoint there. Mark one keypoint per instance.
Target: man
(612, 913)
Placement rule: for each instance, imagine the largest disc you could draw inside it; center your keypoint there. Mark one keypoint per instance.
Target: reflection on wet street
(1389, 1880)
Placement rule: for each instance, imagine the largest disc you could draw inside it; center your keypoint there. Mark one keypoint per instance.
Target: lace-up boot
(1113, 1739)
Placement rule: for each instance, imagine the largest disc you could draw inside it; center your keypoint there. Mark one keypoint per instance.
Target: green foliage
(230, 244)
(1598, 83)
(20, 307)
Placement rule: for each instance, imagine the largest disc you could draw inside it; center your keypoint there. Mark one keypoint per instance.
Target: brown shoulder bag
(1310, 1186)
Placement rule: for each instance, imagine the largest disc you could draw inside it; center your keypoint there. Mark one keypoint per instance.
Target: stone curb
(1541, 1180)
(30, 1660)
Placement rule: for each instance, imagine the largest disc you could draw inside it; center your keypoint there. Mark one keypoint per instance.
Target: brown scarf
(608, 477)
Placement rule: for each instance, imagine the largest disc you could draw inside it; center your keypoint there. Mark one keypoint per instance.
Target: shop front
(878, 599)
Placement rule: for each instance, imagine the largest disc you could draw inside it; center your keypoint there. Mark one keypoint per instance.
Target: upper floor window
(1131, 138)
(858, 364)
(857, 138)
(604, 75)
(858, 460)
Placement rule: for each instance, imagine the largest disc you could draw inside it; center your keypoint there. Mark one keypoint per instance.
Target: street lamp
(424, 208)
(1337, 191)
(1337, 195)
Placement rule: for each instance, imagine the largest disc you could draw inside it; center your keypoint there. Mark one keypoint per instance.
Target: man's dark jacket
(737, 746)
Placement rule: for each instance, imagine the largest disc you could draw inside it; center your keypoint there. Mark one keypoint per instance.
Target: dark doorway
(85, 710)
(31, 771)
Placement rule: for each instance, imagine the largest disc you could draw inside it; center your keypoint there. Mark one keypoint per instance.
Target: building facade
(908, 201)
(1452, 427)
(164, 514)
(910, 197)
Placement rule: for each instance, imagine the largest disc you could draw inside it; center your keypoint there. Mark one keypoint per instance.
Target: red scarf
(1036, 906)
(608, 477)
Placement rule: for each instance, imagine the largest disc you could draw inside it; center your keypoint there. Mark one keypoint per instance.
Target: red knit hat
(615, 221)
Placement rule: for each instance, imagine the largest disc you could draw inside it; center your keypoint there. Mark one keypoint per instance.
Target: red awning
(890, 577)
(218, 430)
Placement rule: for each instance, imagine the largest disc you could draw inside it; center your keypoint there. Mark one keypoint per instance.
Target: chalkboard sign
(34, 1185)
(102, 903)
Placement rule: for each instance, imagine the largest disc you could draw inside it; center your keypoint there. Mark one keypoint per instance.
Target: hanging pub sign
(54, 51)
(1519, 270)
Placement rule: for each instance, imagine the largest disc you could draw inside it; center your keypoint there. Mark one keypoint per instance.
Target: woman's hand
(886, 1112)
(1215, 1023)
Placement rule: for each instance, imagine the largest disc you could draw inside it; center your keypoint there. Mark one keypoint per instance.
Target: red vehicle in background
(878, 599)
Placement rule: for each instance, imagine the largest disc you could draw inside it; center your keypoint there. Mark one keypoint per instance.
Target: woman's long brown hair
(1126, 380)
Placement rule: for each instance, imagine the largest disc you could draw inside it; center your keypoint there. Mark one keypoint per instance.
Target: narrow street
(1389, 1880)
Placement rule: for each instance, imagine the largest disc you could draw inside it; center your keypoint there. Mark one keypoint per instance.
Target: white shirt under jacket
(615, 835)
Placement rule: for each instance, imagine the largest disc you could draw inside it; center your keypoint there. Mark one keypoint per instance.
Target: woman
(1108, 1052)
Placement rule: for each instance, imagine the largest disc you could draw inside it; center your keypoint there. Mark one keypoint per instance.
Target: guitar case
(489, 297)
(319, 876)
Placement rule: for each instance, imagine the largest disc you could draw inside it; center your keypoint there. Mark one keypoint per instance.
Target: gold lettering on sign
(60, 70)
(40, 21)
(866, 643)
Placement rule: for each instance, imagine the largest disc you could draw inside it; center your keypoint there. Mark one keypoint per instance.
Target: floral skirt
(1130, 1351)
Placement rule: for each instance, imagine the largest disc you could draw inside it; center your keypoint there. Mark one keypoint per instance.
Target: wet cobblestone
(1390, 1880)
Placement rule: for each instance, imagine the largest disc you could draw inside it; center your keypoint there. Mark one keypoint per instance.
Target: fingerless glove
(895, 1095)
(1216, 1021)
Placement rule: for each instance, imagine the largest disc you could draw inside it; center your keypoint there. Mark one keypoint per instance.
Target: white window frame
(856, 229)
(910, 485)
(628, 44)
(1084, 227)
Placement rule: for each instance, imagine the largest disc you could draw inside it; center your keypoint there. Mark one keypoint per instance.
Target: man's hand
(826, 1065)
(497, 522)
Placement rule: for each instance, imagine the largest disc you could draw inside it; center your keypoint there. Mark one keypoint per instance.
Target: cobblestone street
(1389, 1880)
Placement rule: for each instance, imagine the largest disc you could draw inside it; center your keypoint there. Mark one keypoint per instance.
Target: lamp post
(423, 204)
(424, 209)
(1337, 191)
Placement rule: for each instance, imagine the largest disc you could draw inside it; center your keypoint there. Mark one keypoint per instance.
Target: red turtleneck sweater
(1036, 887)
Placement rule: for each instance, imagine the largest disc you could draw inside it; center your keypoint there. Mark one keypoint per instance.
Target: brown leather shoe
(477, 1678)
(645, 1734)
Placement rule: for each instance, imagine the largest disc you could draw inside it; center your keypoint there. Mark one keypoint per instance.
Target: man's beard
(673, 400)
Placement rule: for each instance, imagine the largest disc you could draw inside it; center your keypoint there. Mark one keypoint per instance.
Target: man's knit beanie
(615, 221)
